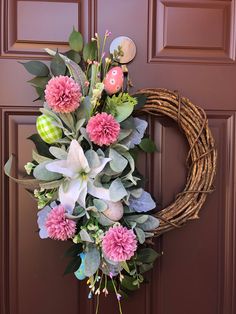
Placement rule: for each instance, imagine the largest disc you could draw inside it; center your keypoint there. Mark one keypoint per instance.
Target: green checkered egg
(47, 130)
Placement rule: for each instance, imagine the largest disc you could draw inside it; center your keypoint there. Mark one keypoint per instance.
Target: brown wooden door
(184, 45)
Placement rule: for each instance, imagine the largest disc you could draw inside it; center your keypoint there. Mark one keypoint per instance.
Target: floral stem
(117, 296)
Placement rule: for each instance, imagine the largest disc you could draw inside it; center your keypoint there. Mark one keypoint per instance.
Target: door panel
(187, 46)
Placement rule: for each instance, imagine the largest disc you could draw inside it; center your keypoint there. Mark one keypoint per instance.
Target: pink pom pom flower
(58, 226)
(103, 129)
(119, 244)
(63, 94)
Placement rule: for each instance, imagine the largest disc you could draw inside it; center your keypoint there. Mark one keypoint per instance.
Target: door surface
(184, 45)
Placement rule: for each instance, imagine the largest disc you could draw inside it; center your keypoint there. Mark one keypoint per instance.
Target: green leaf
(127, 283)
(141, 99)
(91, 262)
(36, 68)
(40, 81)
(125, 266)
(40, 92)
(90, 51)
(118, 163)
(147, 145)
(74, 250)
(85, 109)
(41, 173)
(76, 41)
(58, 66)
(147, 255)
(73, 55)
(73, 265)
(41, 146)
(145, 267)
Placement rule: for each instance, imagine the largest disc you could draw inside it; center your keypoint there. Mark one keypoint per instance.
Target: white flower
(80, 173)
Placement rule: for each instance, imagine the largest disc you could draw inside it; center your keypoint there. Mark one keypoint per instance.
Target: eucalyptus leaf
(117, 190)
(123, 111)
(118, 163)
(150, 224)
(93, 158)
(143, 203)
(140, 235)
(41, 173)
(91, 262)
(100, 205)
(85, 236)
(36, 68)
(140, 219)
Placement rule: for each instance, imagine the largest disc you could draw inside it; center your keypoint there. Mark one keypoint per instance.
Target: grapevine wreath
(83, 172)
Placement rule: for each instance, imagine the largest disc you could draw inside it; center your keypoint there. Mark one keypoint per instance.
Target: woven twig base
(201, 157)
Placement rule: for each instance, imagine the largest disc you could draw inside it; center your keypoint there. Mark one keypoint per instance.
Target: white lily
(80, 173)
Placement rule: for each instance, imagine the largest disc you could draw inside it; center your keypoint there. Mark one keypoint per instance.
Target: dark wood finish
(197, 272)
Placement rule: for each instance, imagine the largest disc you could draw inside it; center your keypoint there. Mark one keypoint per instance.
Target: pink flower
(119, 244)
(58, 226)
(103, 129)
(63, 94)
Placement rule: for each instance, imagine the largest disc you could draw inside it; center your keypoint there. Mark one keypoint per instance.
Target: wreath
(86, 184)
(201, 158)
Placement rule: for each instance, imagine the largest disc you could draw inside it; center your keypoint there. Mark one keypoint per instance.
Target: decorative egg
(113, 81)
(47, 130)
(79, 274)
(114, 211)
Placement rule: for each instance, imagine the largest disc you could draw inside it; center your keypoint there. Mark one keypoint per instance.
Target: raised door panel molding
(31, 269)
(191, 31)
(30, 26)
(201, 254)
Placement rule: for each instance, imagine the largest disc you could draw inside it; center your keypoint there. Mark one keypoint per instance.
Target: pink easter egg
(113, 81)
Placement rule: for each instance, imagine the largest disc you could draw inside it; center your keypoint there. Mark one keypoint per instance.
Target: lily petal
(60, 166)
(98, 169)
(76, 158)
(69, 197)
(82, 196)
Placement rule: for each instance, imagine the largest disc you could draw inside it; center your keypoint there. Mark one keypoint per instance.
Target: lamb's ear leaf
(41, 146)
(26, 182)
